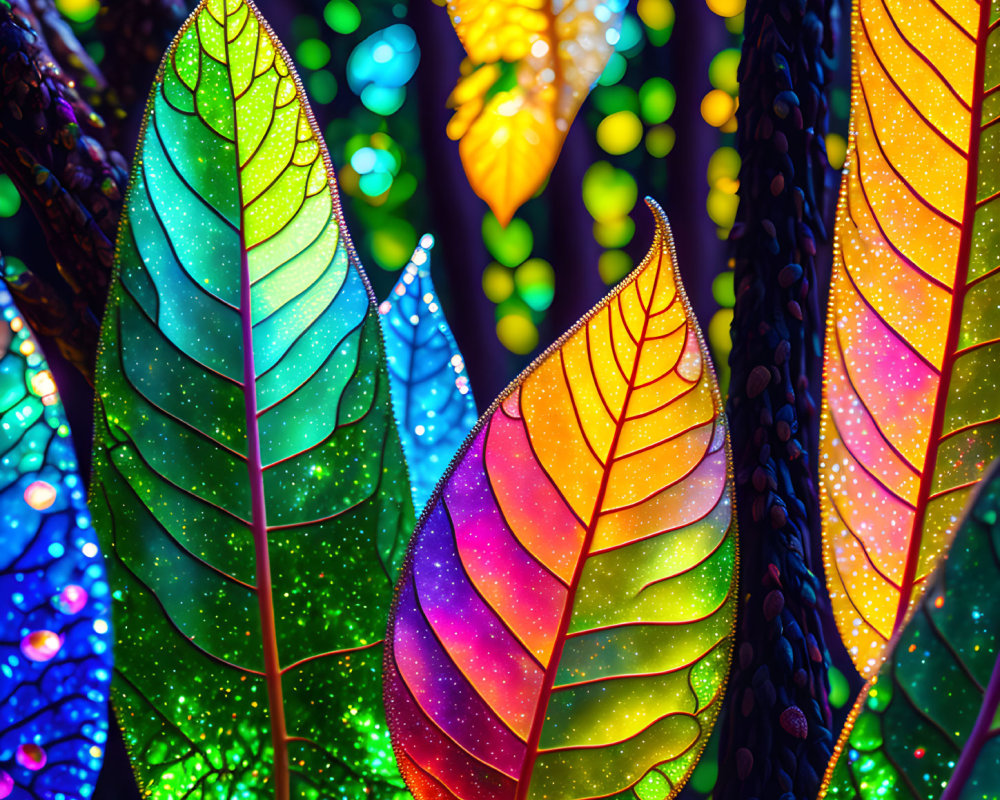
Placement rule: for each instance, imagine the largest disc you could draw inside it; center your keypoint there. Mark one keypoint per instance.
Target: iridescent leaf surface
(431, 395)
(249, 485)
(55, 638)
(929, 719)
(910, 400)
(531, 66)
(562, 627)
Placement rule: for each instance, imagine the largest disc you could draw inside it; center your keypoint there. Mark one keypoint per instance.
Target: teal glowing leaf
(563, 624)
(249, 484)
(930, 718)
(55, 638)
(430, 388)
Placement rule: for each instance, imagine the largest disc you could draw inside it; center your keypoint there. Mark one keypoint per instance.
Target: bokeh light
(535, 281)
(511, 245)
(380, 66)
(613, 265)
(498, 282)
(79, 11)
(717, 108)
(517, 333)
(657, 99)
(608, 192)
(660, 140)
(342, 16)
(392, 242)
(722, 70)
(619, 133)
(10, 198)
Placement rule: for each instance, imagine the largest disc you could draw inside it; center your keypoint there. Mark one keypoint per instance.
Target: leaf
(249, 486)
(531, 65)
(929, 718)
(910, 415)
(55, 640)
(562, 626)
(432, 398)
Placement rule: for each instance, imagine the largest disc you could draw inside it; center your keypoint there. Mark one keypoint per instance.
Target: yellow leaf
(511, 135)
(508, 150)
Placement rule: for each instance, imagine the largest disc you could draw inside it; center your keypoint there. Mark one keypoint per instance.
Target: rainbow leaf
(55, 638)
(563, 624)
(910, 413)
(249, 485)
(929, 719)
(430, 389)
(531, 66)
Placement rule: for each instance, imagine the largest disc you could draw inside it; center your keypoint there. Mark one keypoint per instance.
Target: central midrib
(538, 722)
(928, 474)
(255, 469)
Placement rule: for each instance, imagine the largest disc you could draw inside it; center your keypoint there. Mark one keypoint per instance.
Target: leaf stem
(545, 693)
(258, 509)
(960, 287)
(269, 639)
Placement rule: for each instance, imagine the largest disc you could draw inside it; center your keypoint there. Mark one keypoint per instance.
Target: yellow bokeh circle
(619, 133)
(717, 108)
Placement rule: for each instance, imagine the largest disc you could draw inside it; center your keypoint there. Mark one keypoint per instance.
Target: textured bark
(63, 156)
(777, 739)
(53, 146)
(135, 34)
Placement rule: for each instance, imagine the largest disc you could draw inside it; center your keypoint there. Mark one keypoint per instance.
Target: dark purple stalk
(981, 731)
(776, 740)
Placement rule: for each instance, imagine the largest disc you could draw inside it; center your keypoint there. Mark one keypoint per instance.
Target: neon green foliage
(249, 486)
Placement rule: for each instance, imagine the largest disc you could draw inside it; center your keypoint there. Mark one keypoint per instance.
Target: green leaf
(249, 485)
(929, 718)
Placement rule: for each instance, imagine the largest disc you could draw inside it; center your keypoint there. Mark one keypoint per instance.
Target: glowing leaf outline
(189, 462)
(431, 395)
(55, 618)
(472, 611)
(910, 260)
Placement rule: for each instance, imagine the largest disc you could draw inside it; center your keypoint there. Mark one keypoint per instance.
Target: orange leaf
(910, 408)
(511, 135)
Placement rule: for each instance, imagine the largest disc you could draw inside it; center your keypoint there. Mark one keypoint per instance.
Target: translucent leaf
(532, 66)
(910, 408)
(55, 638)
(563, 624)
(248, 478)
(431, 395)
(926, 726)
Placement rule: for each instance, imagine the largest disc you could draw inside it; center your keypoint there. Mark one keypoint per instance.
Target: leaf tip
(503, 209)
(659, 215)
(427, 242)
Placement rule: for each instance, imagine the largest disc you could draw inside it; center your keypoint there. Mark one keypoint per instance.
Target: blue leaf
(55, 637)
(431, 395)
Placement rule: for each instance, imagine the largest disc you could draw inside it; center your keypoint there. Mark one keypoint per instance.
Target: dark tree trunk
(777, 738)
